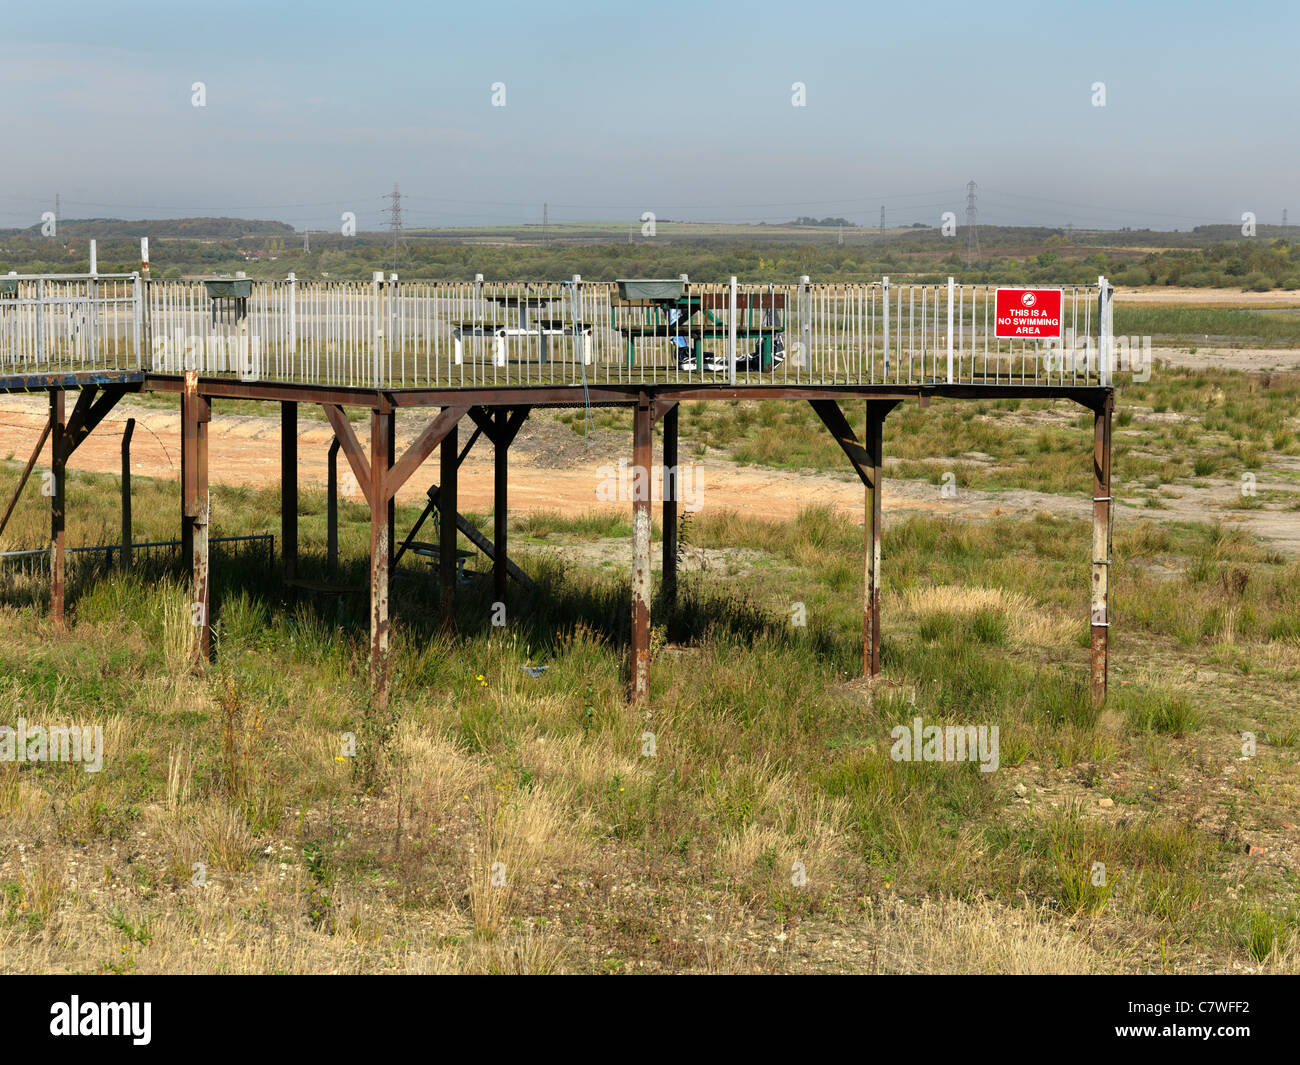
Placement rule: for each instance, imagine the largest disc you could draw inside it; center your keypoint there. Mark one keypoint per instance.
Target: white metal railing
(439, 334)
(70, 323)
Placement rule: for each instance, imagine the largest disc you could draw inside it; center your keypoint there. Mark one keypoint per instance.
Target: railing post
(377, 333)
(805, 327)
(1105, 329)
(884, 288)
(950, 294)
(293, 315)
(731, 348)
(137, 296)
(40, 323)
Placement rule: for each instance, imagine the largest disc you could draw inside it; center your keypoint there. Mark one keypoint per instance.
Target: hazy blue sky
(314, 109)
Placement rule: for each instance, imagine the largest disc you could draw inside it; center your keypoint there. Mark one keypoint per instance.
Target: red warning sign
(1028, 314)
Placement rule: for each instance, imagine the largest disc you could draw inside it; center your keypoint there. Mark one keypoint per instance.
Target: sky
(683, 109)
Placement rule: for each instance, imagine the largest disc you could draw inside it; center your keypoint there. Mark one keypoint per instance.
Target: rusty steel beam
(347, 439)
(379, 552)
(642, 461)
(58, 559)
(828, 410)
(126, 557)
(87, 414)
(447, 491)
(289, 488)
(196, 413)
(609, 394)
(27, 472)
(672, 482)
(1102, 509)
(876, 412)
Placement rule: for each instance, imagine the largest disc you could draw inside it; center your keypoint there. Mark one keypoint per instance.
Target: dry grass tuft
(1028, 622)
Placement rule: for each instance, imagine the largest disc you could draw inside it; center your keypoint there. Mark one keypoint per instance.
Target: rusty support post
(872, 521)
(125, 559)
(332, 509)
(187, 544)
(672, 487)
(392, 502)
(196, 412)
(500, 504)
(447, 527)
(642, 460)
(289, 488)
(1102, 508)
(58, 561)
(379, 552)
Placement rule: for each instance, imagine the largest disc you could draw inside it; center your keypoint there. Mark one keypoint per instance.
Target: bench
(434, 554)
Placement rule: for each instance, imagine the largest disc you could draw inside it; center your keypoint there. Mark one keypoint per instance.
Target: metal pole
(1101, 537)
(196, 412)
(378, 558)
(884, 288)
(289, 488)
(872, 515)
(1105, 329)
(500, 506)
(950, 296)
(642, 457)
(731, 349)
(57, 501)
(126, 557)
(392, 502)
(332, 510)
(672, 480)
(447, 528)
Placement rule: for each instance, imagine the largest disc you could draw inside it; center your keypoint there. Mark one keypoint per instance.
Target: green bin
(229, 288)
(653, 289)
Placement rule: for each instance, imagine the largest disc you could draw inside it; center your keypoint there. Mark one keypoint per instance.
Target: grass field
(509, 813)
(752, 819)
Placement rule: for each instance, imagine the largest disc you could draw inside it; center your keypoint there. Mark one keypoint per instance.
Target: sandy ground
(1209, 297)
(552, 469)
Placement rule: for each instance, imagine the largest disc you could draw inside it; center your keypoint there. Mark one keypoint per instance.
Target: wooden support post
(500, 505)
(1102, 508)
(289, 488)
(196, 412)
(126, 558)
(642, 459)
(672, 487)
(872, 514)
(332, 510)
(58, 571)
(380, 424)
(447, 527)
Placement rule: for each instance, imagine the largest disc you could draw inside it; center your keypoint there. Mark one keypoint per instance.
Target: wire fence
(389, 333)
(34, 563)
